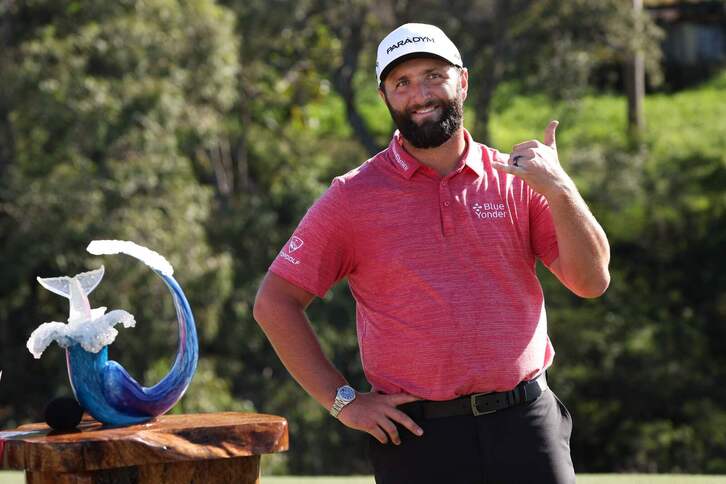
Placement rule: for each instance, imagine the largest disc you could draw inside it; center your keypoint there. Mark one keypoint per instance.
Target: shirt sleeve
(542, 229)
(319, 253)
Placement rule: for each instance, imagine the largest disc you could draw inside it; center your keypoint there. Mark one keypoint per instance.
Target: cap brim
(413, 55)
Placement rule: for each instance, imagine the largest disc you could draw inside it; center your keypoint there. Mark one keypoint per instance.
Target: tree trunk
(635, 85)
(352, 38)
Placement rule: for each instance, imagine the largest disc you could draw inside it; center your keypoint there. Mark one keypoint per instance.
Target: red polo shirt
(442, 270)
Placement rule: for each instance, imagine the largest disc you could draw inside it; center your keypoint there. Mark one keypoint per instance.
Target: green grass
(675, 123)
(17, 478)
(581, 479)
(648, 479)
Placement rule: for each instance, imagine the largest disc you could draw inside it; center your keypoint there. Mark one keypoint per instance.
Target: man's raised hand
(538, 164)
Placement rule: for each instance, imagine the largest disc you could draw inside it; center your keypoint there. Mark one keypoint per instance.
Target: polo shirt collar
(406, 165)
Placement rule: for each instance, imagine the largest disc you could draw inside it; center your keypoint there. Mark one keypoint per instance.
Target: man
(438, 236)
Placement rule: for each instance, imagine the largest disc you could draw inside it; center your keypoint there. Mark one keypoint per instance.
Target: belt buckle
(475, 410)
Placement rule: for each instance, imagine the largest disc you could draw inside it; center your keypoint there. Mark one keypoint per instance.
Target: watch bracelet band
(337, 407)
(339, 403)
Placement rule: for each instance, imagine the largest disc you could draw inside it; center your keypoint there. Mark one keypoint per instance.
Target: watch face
(346, 393)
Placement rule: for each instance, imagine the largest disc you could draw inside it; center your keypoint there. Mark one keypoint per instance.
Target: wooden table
(202, 448)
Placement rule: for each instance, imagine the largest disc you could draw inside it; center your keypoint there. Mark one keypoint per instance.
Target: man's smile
(423, 113)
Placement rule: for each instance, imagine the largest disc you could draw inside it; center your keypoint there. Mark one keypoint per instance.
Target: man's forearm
(280, 311)
(584, 252)
(294, 341)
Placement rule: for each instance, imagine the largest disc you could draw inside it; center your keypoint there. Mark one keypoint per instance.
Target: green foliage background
(205, 129)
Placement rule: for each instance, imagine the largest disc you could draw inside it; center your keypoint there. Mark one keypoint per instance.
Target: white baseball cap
(414, 40)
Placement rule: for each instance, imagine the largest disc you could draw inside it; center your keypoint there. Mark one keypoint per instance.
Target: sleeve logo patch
(295, 244)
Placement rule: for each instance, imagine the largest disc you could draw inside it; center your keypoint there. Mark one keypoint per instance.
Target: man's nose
(421, 93)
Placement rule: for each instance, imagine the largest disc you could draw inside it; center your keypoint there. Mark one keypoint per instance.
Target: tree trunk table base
(243, 470)
(179, 449)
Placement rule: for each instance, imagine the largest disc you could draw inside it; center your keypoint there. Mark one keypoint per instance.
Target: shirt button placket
(446, 217)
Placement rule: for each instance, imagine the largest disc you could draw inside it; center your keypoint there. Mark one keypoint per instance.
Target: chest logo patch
(487, 211)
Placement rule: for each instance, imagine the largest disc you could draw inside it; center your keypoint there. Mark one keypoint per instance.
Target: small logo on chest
(486, 211)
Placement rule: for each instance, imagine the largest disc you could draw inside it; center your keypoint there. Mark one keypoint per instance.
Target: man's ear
(381, 92)
(464, 80)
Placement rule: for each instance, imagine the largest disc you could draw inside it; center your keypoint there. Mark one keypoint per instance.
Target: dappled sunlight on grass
(581, 479)
(17, 478)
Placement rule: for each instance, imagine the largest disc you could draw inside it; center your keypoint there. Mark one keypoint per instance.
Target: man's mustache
(428, 104)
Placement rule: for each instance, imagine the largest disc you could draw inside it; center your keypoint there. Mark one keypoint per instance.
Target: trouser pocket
(566, 417)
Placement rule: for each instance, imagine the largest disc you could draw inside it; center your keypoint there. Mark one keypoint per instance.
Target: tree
(98, 100)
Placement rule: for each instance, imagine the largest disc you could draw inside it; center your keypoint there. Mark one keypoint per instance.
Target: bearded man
(439, 236)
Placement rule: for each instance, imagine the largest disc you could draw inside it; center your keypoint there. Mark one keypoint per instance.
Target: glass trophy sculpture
(102, 386)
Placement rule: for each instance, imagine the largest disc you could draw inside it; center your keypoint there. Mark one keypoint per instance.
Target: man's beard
(432, 133)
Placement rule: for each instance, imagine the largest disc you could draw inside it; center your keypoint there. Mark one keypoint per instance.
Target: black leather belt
(478, 403)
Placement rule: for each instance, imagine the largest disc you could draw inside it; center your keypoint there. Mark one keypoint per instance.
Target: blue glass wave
(112, 396)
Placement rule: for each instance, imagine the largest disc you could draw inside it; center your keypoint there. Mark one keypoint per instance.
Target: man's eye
(401, 83)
